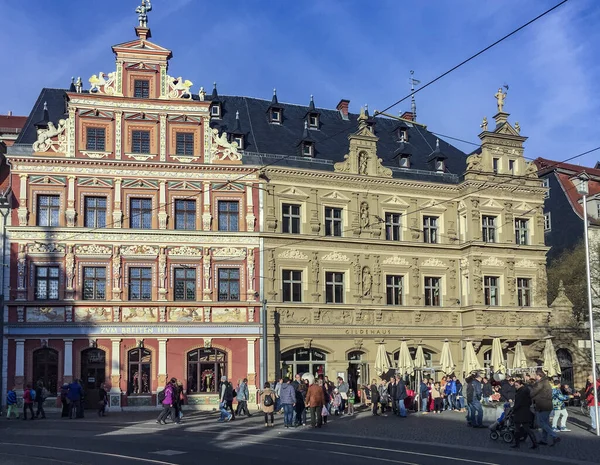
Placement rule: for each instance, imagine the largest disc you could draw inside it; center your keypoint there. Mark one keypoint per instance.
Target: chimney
(342, 107)
(407, 115)
(9, 112)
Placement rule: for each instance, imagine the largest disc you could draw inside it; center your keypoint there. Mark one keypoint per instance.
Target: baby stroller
(504, 428)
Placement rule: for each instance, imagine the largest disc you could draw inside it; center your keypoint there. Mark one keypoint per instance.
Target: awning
(519, 361)
(419, 358)
(382, 361)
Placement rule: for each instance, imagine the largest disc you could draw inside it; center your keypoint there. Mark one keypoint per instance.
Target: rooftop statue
(142, 12)
(500, 96)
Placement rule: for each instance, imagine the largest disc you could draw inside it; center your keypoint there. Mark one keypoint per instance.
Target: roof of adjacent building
(280, 144)
(565, 173)
(10, 124)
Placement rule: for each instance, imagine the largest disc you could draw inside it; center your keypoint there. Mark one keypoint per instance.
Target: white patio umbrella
(405, 362)
(497, 357)
(470, 362)
(419, 358)
(382, 361)
(446, 363)
(550, 365)
(519, 361)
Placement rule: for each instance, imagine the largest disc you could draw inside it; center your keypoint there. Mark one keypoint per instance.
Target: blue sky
(334, 49)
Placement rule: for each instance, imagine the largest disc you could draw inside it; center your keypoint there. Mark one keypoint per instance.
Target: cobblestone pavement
(125, 438)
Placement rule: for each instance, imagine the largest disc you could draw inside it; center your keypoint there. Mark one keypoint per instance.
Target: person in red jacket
(591, 401)
(27, 402)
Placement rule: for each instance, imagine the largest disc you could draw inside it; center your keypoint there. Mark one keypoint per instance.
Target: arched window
(303, 361)
(487, 358)
(413, 351)
(139, 365)
(565, 360)
(45, 368)
(204, 370)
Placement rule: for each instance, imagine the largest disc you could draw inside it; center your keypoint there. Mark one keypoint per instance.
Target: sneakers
(555, 430)
(229, 418)
(563, 430)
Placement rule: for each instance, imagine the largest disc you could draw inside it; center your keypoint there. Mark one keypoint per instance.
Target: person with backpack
(11, 404)
(28, 399)
(168, 400)
(268, 404)
(40, 396)
(74, 394)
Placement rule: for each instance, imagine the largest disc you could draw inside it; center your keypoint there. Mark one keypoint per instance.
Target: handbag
(344, 395)
(324, 411)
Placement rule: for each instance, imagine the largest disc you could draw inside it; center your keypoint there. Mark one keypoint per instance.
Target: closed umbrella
(520, 361)
(446, 362)
(470, 362)
(419, 358)
(405, 362)
(551, 366)
(497, 358)
(382, 361)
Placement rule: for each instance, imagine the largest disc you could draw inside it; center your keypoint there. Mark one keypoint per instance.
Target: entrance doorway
(92, 375)
(358, 373)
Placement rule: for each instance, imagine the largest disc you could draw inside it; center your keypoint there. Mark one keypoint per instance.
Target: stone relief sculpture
(70, 267)
(364, 215)
(45, 138)
(101, 85)
(484, 124)
(363, 162)
(179, 88)
(116, 267)
(367, 282)
(222, 149)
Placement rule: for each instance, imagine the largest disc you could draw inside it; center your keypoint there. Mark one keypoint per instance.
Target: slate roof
(278, 144)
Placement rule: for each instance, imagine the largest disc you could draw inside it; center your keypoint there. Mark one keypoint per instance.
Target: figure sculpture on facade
(364, 215)
(142, 12)
(518, 127)
(484, 124)
(117, 268)
(367, 281)
(500, 96)
(362, 163)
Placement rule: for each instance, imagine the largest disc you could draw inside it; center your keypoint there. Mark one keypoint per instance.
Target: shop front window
(204, 370)
(300, 361)
(139, 364)
(45, 368)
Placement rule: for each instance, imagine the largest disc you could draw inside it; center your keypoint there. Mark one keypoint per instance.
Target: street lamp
(583, 189)
(4, 211)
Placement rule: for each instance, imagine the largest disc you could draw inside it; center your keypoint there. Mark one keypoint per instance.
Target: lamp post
(582, 189)
(4, 211)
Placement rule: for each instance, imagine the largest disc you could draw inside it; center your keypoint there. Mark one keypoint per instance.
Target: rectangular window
(307, 149)
(292, 285)
(521, 231)
(140, 213)
(229, 212)
(140, 283)
(394, 286)
(524, 292)
(334, 287)
(94, 283)
(547, 222)
(430, 229)
(598, 210)
(46, 282)
(140, 141)
(141, 88)
(333, 221)
(392, 226)
(184, 143)
(546, 184)
(185, 284)
(95, 139)
(275, 116)
(215, 110)
(495, 163)
(95, 212)
(511, 166)
(490, 289)
(229, 284)
(313, 121)
(291, 218)
(432, 292)
(488, 228)
(48, 209)
(185, 214)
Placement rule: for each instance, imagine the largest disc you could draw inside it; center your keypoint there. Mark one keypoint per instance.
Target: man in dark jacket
(392, 389)
(486, 388)
(477, 409)
(507, 390)
(541, 395)
(424, 395)
(469, 397)
(401, 395)
(522, 415)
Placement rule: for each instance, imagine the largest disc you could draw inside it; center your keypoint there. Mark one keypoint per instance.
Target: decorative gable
(185, 185)
(48, 180)
(293, 192)
(491, 204)
(396, 201)
(140, 184)
(434, 205)
(335, 195)
(94, 182)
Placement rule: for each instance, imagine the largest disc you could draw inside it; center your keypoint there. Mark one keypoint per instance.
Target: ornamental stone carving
(179, 88)
(396, 260)
(140, 249)
(335, 257)
(492, 261)
(93, 249)
(93, 314)
(186, 314)
(433, 262)
(525, 263)
(103, 83)
(52, 248)
(53, 139)
(223, 150)
(185, 251)
(229, 252)
(139, 314)
(292, 254)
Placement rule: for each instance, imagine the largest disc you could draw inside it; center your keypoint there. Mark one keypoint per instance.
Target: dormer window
(495, 163)
(275, 115)
(215, 110)
(239, 139)
(440, 166)
(404, 161)
(313, 120)
(307, 149)
(402, 135)
(141, 88)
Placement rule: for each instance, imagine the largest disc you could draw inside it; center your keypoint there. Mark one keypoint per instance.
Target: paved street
(127, 438)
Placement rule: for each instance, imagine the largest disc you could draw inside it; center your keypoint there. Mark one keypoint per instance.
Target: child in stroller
(504, 427)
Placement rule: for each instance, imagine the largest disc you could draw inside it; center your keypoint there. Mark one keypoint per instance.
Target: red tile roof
(12, 122)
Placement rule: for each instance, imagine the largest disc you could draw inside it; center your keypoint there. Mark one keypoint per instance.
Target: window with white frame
(333, 221)
(491, 290)
(290, 218)
(394, 285)
(521, 231)
(334, 287)
(393, 226)
(46, 282)
(524, 292)
(488, 228)
(546, 183)
(430, 229)
(48, 209)
(547, 222)
(292, 285)
(432, 291)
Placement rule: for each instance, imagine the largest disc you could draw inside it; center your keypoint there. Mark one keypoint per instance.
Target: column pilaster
(162, 199)
(162, 362)
(68, 364)
(250, 218)
(22, 211)
(206, 216)
(117, 212)
(70, 213)
(20, 363)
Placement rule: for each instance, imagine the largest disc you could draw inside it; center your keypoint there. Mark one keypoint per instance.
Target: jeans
(593, 416)
(476, 413)
(452, 401)
(167, 409)
(424, 403)
(301, 417)
(223, 408)
(288, 414)
(543, 420)
(561, 414)
(315, 417)
(242, 408)
(277, 404)
(402, 407)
